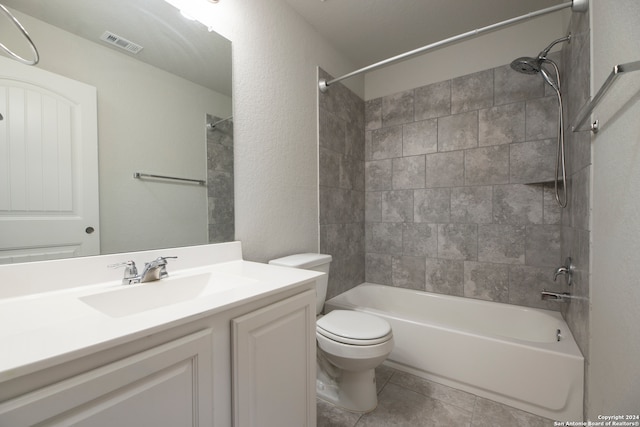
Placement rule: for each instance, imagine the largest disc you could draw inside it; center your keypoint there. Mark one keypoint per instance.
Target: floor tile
(332, 416)
(398, 406)
(383, 374)
(488, 413)
(434, 390)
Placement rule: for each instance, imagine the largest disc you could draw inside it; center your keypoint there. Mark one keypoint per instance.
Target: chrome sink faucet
(154, 270)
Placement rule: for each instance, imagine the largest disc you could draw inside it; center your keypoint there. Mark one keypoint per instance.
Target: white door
(48, 165)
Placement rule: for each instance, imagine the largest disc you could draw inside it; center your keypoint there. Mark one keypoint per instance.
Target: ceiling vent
(120, 42)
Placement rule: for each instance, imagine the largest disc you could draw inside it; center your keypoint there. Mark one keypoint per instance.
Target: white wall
(275, 55)
(476, 54)
(139, 130)
(614, 386)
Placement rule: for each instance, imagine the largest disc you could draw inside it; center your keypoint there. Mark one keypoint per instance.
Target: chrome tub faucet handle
(565, 270)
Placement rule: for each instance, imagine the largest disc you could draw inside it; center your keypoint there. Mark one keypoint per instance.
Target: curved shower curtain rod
(575, 5)
(36, 56)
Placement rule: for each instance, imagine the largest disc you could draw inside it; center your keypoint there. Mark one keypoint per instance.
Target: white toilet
(351, 344)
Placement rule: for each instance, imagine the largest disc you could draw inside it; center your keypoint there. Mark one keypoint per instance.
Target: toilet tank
(309, 261)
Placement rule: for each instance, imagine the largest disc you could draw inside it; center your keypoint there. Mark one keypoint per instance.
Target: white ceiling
(171, 42)
(368, 31)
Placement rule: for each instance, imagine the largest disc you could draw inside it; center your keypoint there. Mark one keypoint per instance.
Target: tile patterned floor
(405, 400)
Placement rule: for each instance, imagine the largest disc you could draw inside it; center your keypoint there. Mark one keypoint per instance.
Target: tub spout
(555, 296)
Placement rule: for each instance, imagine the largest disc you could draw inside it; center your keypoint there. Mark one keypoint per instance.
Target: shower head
(526, 65)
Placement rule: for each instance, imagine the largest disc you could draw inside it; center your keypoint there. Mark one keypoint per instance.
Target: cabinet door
(274, 373)
(170, 385)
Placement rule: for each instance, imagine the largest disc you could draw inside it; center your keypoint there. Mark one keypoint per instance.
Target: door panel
(48, 165)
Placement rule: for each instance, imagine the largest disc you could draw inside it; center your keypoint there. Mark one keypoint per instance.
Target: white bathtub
(503, 352)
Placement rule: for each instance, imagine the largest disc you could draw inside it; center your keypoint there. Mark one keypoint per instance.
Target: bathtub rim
(567, 346)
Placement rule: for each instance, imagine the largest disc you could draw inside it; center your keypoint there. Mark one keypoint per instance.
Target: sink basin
(133, 299)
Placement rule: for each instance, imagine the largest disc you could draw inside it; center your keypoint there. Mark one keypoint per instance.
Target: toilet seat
(354, 328)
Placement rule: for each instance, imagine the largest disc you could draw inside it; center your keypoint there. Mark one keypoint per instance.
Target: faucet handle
(567, 270)
(156, 269)
(130, 270)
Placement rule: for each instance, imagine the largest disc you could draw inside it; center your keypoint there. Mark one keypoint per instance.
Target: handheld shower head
(547, 78)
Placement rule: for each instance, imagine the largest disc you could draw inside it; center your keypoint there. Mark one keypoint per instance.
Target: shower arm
(575, 5)
(543, 55)
(36, 55)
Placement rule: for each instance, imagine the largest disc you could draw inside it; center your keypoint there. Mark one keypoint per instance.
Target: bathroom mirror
(160, 81)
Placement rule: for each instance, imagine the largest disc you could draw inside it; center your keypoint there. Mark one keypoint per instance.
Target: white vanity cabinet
(274, 364)
(168, 385)
(250, 365)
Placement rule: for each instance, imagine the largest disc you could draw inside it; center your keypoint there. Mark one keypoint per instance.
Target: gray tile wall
(220, 181)
(455, 199)
(341, 181)
(575, 233)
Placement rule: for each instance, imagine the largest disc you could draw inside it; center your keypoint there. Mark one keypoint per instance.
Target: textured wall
(449, 205)
(275, 95)
(220, 194)
(341, 175)
(614, 371)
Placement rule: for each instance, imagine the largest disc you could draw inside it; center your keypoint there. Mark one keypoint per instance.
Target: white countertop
(40, 330)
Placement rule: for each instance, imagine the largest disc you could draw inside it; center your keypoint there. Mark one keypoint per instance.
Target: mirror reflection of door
(48, 165)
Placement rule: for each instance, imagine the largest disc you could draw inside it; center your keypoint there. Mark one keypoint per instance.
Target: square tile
(383, 238)
(331, 416)
(446, 394)
(431, 205)
(420, 137)
(409, 172)
(533, 161)
(397, 108)
(444, 276)
(486, 281)
(377, 175)
(501, 125)
(472, 205)
(458, 241)
(398, 406)
(502, 244)
(433, 100)
(517, 204)
(445, 169)
(420, 239)
(397, 206)
(487, 165)
(489, 413)
(472, 92)
(542, 248)
(408, 272)
(458, 132)
(386, 143)
(541, 118)
(511, 86)
(378, 268)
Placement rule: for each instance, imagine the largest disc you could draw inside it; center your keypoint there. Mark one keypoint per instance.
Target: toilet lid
(348, 326)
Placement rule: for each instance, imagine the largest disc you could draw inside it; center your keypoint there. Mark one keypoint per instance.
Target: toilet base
(353, 391)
